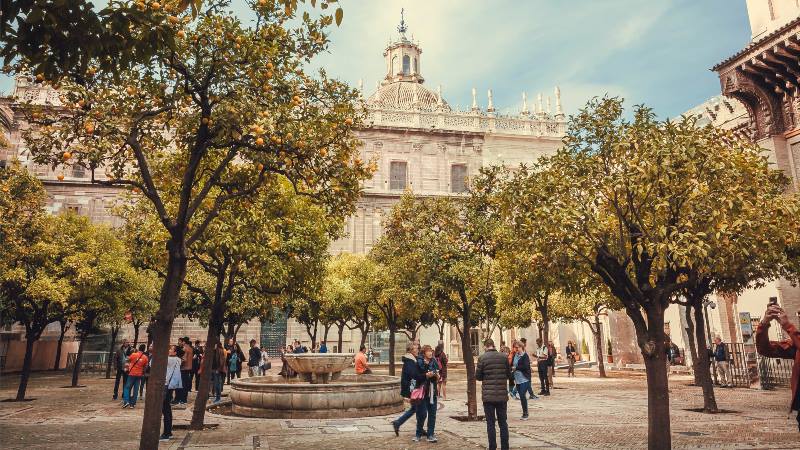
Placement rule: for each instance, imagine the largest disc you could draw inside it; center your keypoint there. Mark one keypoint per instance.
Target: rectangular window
(78, 171)
(458, 178)
(398, 172)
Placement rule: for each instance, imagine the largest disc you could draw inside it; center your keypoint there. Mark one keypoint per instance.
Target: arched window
(406, 65)
(395, 65)
(416, 66)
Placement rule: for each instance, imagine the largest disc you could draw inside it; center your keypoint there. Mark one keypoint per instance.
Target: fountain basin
(319, 367)
(275, 397)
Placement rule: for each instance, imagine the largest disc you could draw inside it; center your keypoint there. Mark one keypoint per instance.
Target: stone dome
(407, 96)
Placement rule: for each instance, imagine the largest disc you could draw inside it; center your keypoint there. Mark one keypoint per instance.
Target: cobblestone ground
(583, 413)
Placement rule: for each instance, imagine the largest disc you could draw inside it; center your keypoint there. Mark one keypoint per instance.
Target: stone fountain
(320, 391)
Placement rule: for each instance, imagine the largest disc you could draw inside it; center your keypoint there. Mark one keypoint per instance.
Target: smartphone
(772, 301)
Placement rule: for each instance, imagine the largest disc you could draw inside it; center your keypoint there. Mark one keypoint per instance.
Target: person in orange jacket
(787, 349)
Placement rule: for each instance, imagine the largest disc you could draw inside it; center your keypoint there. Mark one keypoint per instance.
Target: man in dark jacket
(493, 371)
(120, 358)
(411, 378)
(254, 359)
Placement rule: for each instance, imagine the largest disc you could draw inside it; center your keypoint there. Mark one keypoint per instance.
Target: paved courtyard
(583, 413)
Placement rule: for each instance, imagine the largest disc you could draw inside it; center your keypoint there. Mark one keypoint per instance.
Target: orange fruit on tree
(60, 177)
(260, 167)
(67, 155)
(348, 121)
(260, 141)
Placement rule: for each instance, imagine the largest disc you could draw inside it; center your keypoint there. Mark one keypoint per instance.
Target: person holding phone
(786, 349)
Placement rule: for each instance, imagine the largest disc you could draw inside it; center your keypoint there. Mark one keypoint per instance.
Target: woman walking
(571, 351)
(427, 365)
(411, 378)
(441, 359)
(521, 369)
(235, 360)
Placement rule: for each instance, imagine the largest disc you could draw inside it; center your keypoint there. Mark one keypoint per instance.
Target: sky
(656, 52)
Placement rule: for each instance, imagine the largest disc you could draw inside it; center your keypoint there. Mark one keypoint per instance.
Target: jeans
(142, 385)
(252, 371)
(196, 380)
(186, 382)
(166, 411)
(405, 416)
(131, 389)
(426, 408)
(542, 368)
(191, 377)
(217, 378)
(523, 399)
(500, 410)
(120, 374)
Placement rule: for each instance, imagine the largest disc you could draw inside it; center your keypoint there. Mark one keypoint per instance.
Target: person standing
(172, 382)
(235, 361)
(146, 375)
(254, 359)
(441, 359)
(493, 372)
(120, 358)
(428, 366)
(571, 351)
(323, 348)
(136, 364)
(551, 362)
(196, 358)
(265, 364)
(524, 344)
(182, 395)
(721, 358)
(542, 358)
(786, 349)
(362, 367)
(410, 378)
(521, 369)
(219, 368)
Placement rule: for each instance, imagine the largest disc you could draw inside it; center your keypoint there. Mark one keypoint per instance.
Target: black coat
(493, 370)
(411, 371)
(524, 365)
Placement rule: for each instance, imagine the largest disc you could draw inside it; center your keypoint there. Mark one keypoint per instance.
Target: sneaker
(433, 439)
(396, 428)
(533, 397)
(525, 417)
(547, 393)
(125, 405)
(114, 398)
(541, 392)
(415, 439)
(131, 406)
(164, 437)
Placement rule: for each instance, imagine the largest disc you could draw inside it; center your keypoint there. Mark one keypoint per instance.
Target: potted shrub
(584, 350)
(609, 352)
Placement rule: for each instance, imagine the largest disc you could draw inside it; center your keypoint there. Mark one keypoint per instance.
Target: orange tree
(643, 203)
(205, 121)
(437, 247)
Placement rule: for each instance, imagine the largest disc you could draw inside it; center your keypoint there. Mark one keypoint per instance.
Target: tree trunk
(114, 332)
(136, 326)
(76, 370)
(231, 332)
(212, 337)
(703, 373)
(392, 333)
(469, 364)
(26, 368)
(326, 328)
(651, 342)
(598, 345)
(690, 336)
(440, 326)
(162, 328)
(545, 324)
(64, 327)
(341, 331)
(364, 332)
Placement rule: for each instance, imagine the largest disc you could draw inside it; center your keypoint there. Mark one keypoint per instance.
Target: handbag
(417, 395)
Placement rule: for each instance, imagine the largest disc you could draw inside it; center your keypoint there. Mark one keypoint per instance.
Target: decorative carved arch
(764, 108)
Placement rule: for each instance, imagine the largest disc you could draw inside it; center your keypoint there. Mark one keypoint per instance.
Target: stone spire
(361, 88)
(403, 57)
(474, 100)
(439, 95)
(539, 108)
(548, 105)
(490, 107)
(524, 104)
(559, 109)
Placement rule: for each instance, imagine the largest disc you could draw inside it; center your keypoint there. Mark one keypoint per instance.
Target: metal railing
(92, 361)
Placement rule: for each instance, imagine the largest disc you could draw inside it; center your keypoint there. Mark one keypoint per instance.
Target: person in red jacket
(787, 349)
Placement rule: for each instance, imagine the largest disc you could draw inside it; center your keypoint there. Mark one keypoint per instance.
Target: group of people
(422, 381)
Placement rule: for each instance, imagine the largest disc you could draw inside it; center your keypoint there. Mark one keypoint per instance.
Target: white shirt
(542, 352)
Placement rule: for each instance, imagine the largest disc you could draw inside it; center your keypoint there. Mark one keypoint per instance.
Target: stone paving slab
(586, 413)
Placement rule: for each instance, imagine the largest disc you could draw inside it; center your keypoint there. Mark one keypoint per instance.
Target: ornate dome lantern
(402, 87)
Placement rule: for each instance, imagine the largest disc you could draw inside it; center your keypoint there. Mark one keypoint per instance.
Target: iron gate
(748, 367)
(273, 334)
